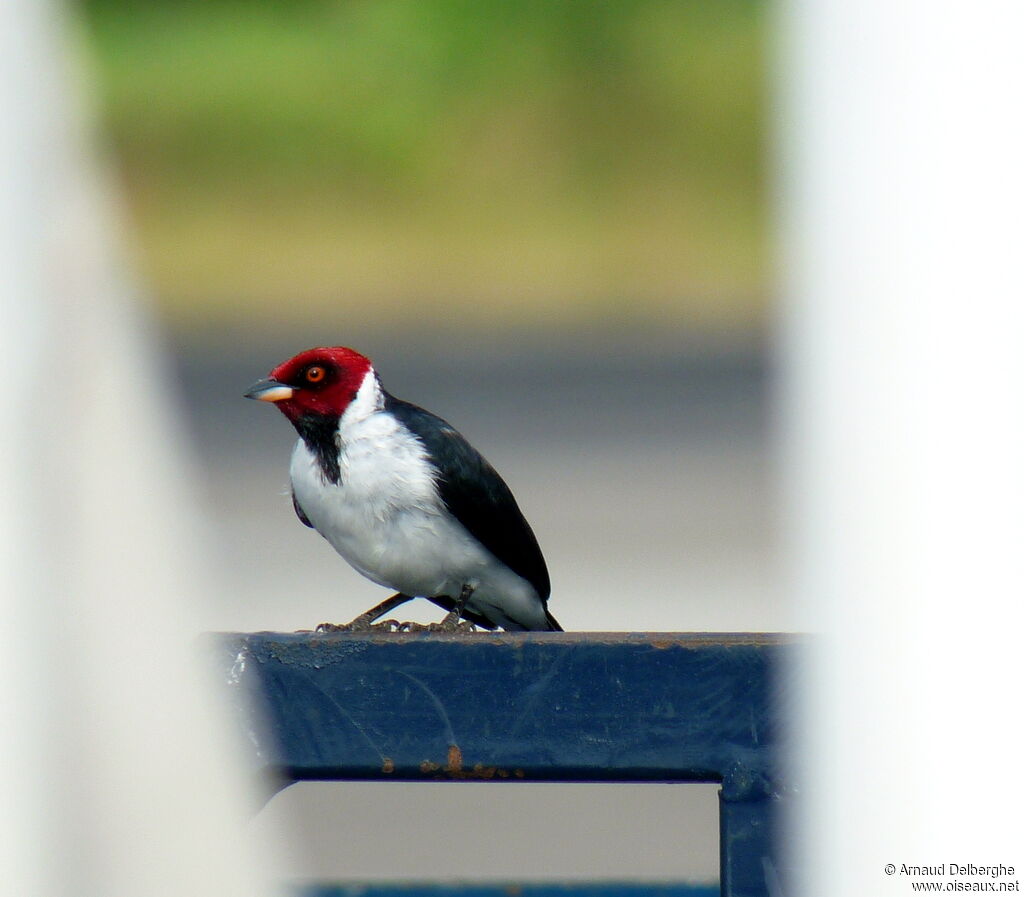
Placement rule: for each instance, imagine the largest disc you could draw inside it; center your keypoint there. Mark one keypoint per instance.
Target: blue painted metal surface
(512, 890)
(599, 707)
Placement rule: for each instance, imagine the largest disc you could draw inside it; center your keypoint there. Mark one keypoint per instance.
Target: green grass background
(527, 163)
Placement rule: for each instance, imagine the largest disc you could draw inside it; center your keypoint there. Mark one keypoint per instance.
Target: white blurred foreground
(117, 768)
(905, 393)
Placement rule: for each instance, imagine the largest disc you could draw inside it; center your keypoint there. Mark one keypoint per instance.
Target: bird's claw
(450, 623)
(453, 624)
(363, 624)
(387, 626)
(332, 627)
(410, 626)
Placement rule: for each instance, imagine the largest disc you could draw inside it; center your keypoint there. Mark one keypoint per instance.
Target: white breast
(386, 518)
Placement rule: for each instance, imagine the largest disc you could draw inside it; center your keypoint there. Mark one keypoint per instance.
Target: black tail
(443, 601)
(553, 624)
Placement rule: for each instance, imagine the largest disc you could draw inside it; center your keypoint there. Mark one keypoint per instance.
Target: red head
(318, 382)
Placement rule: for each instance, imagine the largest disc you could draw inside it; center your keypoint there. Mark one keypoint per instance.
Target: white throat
(369, 399)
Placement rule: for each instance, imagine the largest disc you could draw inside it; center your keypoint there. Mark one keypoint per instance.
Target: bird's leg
(451, 621)
(364, 621)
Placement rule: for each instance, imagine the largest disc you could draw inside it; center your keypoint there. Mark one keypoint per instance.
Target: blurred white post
(902, 156)
(116, 765)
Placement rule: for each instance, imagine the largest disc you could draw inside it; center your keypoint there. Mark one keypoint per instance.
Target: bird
(404, 498)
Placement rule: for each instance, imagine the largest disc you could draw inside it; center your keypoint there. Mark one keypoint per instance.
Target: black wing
(300, 513)
(477, 497)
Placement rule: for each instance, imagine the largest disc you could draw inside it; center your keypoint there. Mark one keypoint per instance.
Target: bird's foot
(409, 626)
(387, 626)
(362, 623)
(365, 622)
(443, 626)
(450, 623)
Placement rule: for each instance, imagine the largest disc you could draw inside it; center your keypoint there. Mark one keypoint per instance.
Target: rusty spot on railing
(454, 768)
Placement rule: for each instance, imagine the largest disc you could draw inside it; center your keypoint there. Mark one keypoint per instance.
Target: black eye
(315, 374)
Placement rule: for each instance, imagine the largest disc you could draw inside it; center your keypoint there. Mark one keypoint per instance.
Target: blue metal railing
(505, 890)
(556, 707)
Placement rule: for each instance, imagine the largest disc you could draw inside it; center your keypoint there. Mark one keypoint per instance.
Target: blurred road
(642, 465)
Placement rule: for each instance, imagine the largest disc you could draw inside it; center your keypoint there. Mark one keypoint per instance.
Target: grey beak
(270, 391)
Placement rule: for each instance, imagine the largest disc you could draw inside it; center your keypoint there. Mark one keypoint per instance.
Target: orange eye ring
(315, 374)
